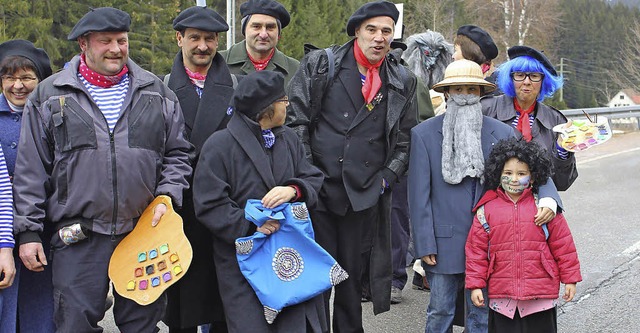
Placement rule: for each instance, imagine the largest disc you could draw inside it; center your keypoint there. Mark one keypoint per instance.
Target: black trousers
(539, 322)
(345, 238)
(400, 233)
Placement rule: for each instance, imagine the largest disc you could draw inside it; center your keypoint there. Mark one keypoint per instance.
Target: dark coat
(502, 108)
(233, 167)
(239, 63)
(306, 93)
(195, 298)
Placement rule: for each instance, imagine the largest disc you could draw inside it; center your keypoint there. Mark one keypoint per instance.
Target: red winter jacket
(521, 263)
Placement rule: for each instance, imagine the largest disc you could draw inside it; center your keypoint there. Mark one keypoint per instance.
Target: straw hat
(463, 72)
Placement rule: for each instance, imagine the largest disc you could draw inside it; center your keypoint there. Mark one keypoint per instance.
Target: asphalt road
(602, 210)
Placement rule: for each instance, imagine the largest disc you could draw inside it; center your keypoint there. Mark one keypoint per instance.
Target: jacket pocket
(73, 127)
(490, 268)
(146, 124)
(550, 266)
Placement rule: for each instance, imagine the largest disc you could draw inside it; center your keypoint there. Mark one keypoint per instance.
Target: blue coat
(440, 212)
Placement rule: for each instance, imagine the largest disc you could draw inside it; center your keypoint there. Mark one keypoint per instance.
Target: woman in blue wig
(526, 80)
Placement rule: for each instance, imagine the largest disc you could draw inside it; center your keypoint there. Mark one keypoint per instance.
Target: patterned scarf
(523, 122)
(196, 78)
(372, 83)
(461, 144)
(97, 79)
(269, 138)
(261, 64)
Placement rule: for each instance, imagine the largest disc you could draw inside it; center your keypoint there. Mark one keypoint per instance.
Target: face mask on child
(508, 185)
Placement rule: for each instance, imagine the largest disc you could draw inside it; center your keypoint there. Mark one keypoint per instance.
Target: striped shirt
(6, 206)
(562, 153)
(109, 100)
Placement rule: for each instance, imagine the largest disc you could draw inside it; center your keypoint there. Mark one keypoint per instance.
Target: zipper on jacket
(114, 173)
(517, 247)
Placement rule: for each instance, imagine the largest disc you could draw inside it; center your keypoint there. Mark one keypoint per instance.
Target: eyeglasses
(520, 76)
(283, 100)
(24, 79)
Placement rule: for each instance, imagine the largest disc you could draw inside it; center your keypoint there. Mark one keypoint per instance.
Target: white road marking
(632, 249)
(607, 156)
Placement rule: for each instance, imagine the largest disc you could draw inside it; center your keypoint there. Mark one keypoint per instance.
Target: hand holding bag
(287, 267)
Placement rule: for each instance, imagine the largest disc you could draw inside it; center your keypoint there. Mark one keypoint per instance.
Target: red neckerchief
(523, 122)
(372, 83)
(196, 78)
(261, 64)
(97, 79)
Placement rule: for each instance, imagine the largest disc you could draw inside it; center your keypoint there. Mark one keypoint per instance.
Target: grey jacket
(502, 108)
(71, 169)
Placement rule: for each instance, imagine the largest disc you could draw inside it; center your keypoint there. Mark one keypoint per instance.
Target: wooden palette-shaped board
(151, 259)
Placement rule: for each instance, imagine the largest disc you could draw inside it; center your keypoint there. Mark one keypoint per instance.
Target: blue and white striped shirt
(109, 100)
(6, 206)
(562, 153)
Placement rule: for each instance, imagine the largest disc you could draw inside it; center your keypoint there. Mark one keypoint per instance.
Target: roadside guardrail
(611, 113)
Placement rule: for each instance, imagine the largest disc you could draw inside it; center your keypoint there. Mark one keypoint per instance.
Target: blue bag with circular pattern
(287, 267)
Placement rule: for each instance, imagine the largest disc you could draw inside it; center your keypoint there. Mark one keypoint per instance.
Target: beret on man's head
(256, 91)
(26, 49)
(521, 50)
(482, 38)
(101, 19)
(201, 18)
(266, 7)
(369, 10)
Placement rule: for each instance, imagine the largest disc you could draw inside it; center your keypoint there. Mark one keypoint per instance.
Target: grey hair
(428, 54)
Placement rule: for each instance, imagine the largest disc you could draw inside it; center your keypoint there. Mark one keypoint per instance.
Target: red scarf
(372, 83)
(523, 122)
(103, 81)
(261, 64)
(196, 78)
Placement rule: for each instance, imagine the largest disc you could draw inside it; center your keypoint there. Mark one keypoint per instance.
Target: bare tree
(423, 15)
(627, 75)
(518, 22)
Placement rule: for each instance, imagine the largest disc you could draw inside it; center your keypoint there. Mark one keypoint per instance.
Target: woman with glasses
(526, 80)
(29, 300)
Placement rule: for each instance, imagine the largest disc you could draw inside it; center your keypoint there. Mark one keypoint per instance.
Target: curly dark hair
(531, 153)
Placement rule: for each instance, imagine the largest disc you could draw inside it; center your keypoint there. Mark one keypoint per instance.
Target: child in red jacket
(521, 263)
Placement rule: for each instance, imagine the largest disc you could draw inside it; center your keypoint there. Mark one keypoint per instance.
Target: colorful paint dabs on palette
(151, 258)
(583, 134)
(154, 270)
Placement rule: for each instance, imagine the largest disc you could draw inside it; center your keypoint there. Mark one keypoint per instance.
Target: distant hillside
(628, 3)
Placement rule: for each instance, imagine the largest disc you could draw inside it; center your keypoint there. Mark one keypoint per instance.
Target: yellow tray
(151, 259)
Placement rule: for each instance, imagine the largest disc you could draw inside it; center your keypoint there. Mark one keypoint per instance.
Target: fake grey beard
(461, 146)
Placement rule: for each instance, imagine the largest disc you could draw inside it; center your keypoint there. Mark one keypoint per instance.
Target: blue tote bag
(287, 267)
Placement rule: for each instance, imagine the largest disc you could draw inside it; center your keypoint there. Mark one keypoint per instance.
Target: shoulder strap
(235, 81)
(332, 66)
(482, 219)
(166, 79)
(545, 229)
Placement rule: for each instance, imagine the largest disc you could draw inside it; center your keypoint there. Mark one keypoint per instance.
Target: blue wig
(550, 83)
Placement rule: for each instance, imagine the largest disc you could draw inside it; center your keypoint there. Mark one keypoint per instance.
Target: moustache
(202, 53)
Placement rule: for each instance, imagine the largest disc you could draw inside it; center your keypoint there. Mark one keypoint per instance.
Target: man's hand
(32, 256)
(430, 259)
(569, 292)
(269, 227)
(477, 298)
(543, 216)
(277, 196)
(160, 210)
(7, 267)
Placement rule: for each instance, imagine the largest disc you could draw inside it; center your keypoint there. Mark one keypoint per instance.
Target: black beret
(101, 19)
(369, 10)
(482, 38)
(520, 50)
(256, 91)
(24, 48)
(200, 18)
(266, 7)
